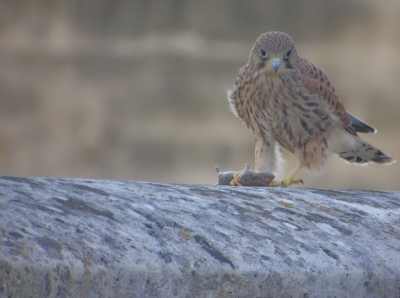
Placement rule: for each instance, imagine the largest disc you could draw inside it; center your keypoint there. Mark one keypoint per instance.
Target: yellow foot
(285, 183)
(236, 180)
(289, 180)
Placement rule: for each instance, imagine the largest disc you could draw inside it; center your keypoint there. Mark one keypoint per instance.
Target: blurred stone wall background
(135, 90)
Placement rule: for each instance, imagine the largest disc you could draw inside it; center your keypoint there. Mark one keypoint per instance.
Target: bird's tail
(363, 153)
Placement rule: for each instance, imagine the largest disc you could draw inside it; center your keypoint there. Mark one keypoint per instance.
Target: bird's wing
(359, 125)
(317, 83)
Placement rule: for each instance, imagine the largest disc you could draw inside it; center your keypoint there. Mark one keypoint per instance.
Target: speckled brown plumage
(284, 99)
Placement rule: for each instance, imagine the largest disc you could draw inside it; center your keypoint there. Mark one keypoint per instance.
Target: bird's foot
(236, 179)
(248, 177)
(285, 183)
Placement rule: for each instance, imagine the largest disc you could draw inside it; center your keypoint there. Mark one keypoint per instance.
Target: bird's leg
(265, 155)
(289, 180)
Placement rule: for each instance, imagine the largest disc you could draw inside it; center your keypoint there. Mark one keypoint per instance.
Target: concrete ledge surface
(93, 238)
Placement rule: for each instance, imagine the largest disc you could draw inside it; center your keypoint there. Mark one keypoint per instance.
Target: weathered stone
(87, 238)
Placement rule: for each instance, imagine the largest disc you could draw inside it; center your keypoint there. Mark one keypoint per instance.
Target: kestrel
(287, 101)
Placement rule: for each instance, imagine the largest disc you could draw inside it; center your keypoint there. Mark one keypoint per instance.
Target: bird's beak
(276, 63)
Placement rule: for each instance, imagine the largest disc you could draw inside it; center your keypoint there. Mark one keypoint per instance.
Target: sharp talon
(301, 181)
(283, 184)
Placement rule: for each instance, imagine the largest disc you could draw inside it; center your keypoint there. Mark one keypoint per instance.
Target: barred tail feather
(362, 153)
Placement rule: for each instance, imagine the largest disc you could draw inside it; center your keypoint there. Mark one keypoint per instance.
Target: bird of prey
(287, 101)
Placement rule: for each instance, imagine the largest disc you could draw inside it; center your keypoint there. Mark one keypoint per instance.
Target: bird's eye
(263, 53)
(288, 54)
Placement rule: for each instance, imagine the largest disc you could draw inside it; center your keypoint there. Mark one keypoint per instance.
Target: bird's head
(274, 52)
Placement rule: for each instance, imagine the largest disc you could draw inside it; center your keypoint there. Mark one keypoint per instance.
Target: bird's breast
(278, 108)
(285, 111)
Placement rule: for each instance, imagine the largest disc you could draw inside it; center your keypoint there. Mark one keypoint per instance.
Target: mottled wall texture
(135, 90)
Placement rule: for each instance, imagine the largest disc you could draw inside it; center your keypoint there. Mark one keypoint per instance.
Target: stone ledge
(92, 238)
